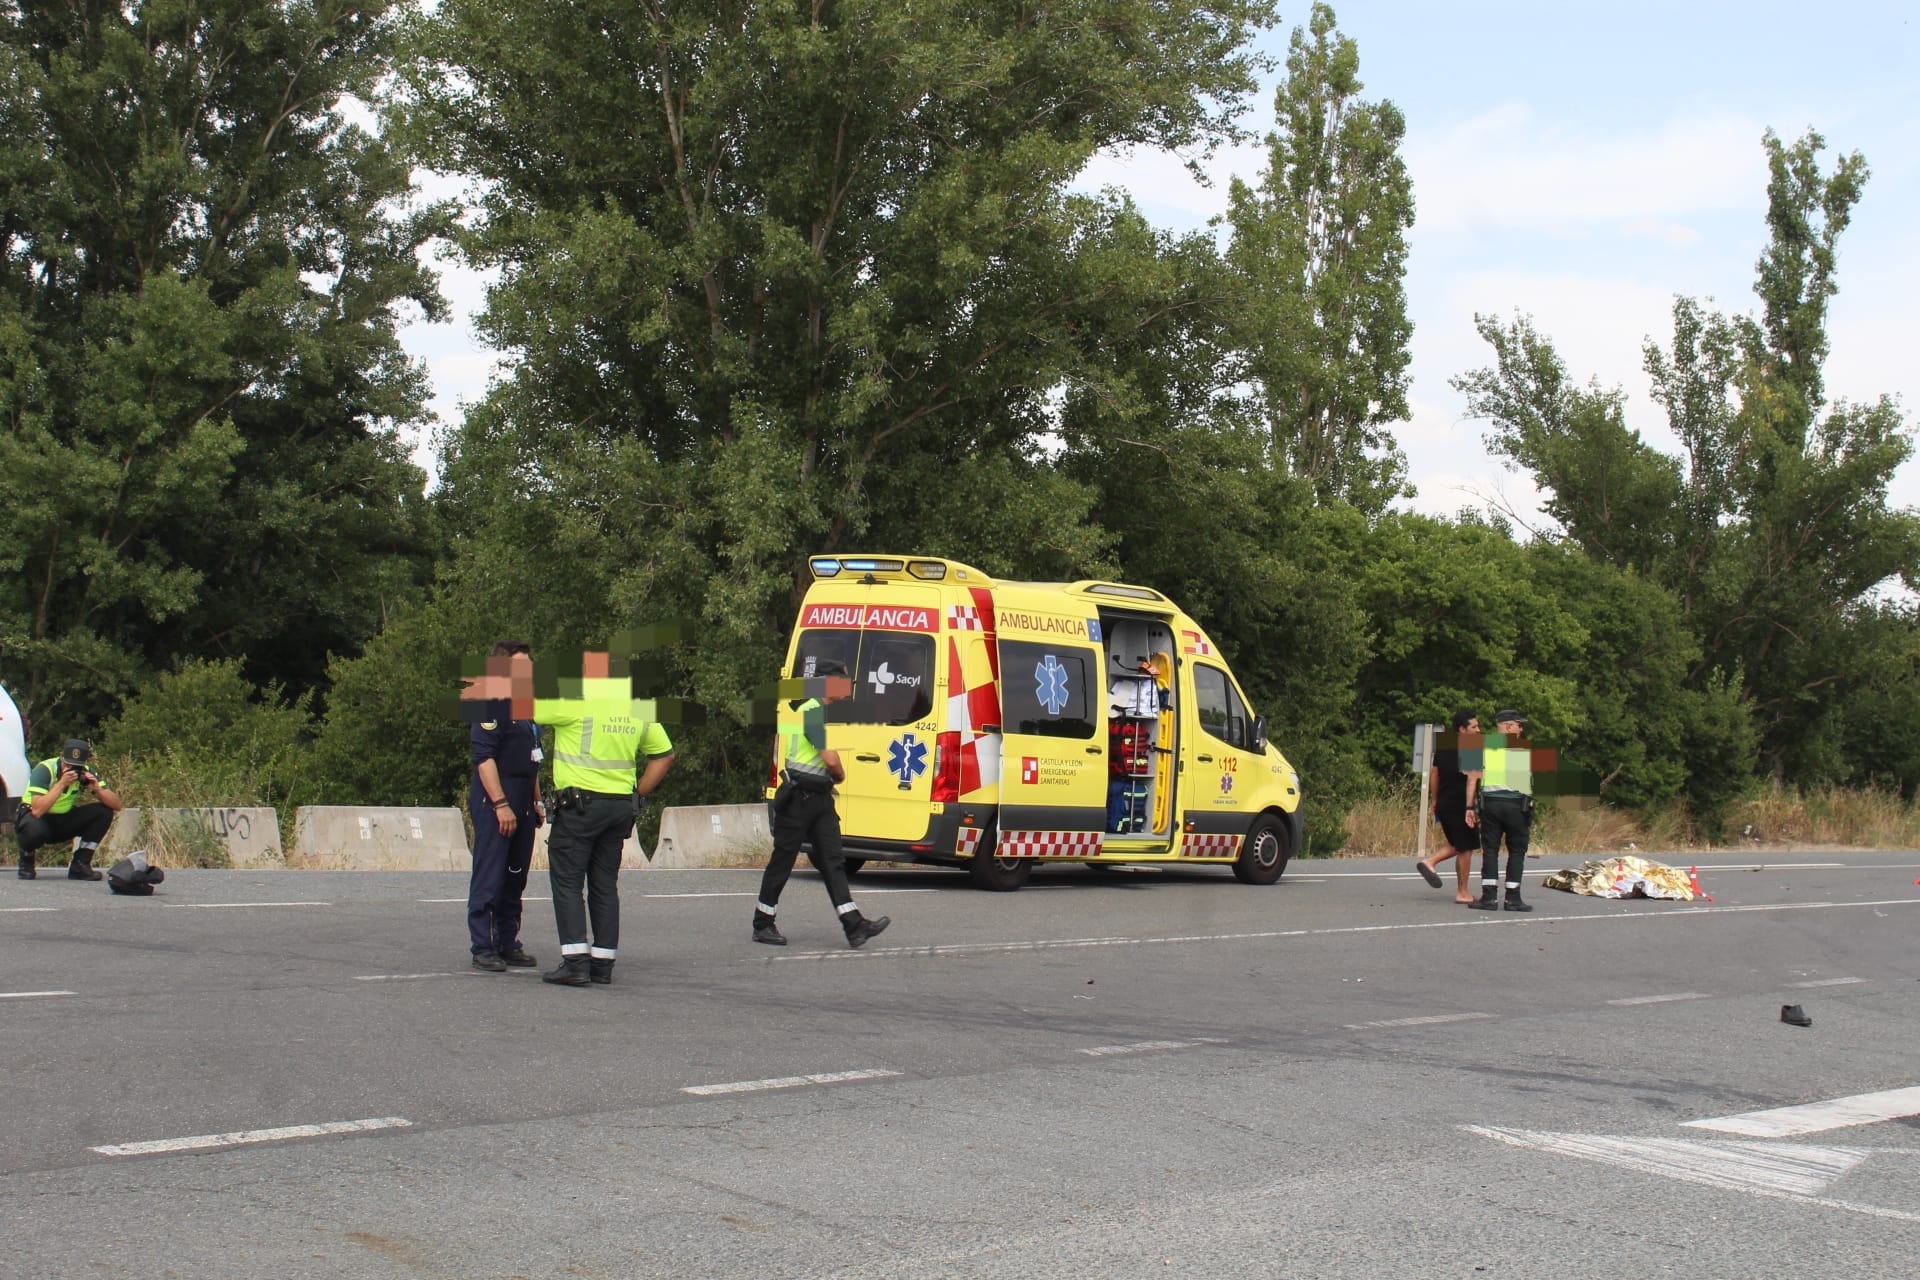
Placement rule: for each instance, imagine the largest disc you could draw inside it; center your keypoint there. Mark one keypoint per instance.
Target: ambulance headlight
(1293, 780)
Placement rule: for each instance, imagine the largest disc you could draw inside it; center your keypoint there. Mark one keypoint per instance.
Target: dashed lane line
(1429, 1021)
(937, 951)
(207, 905)
(245, 1137)
(1824, 982)
(789, 1082)
(33, 995)
(1662, 999)
(1148, 1046)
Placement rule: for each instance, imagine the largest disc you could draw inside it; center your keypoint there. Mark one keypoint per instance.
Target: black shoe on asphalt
(517, 957)
(1793, 1015)
(26, 871)
(573, 972)
(489, 961)
(600, 972)
(82, 869)
(858, 934)
(769, 933)
(1513, 903)
(1485, 902)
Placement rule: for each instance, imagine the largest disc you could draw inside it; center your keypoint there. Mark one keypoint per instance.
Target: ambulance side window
(1222, 714)
(1044, 689)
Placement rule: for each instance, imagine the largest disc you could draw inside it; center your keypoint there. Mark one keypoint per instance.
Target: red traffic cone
(1693, 882)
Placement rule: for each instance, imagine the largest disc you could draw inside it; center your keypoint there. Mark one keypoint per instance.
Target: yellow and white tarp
(1627, 877)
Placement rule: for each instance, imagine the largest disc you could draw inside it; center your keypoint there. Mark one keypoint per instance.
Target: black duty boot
(26, 871)
(600, 971)
(859, 929)
(1489, 899)
(516, 956)
(81, 868)
(573, 972)
(489, 961)
(765, 930)
(1513, 902)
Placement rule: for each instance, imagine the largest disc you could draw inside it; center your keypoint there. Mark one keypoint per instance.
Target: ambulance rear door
(885, 637)
(1053, 756)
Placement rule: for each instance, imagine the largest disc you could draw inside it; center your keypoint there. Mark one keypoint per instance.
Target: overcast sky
(1581, 163)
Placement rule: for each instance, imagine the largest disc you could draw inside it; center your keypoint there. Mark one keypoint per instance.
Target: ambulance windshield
(892, 673)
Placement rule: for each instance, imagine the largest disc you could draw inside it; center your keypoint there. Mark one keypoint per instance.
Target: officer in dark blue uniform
(506, 808)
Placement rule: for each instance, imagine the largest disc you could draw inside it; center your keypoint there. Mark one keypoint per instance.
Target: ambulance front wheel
(1264, 853)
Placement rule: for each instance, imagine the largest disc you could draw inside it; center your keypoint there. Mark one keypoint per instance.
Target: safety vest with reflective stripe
(598, 739)
(1505, 768)
(804, 763)
(68, 798)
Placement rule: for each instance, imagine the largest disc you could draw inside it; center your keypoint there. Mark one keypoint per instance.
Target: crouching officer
(1503, 790)
(597, 740)
(65, 801)
(803, 810)
(505, 803)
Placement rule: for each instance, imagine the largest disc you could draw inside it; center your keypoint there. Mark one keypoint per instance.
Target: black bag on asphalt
(134, 875)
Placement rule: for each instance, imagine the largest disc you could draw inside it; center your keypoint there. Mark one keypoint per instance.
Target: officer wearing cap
(803, 812)
(65, 801)
(504, 799)
(1500, 804)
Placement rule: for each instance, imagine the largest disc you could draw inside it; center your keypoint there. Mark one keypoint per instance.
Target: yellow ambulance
(996, 724)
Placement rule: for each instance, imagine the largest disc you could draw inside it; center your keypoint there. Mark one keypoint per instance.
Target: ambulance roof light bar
(833, 566)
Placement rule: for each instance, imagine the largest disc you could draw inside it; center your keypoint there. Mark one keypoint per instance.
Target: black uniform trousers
(87, 821)
(499, 867)
(1511, 815)
(809, 817)
(585, 847)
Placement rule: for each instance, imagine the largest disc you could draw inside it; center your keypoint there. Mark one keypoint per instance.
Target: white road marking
(409, 977)
(1677, 995)
(1433, 1020)
(1053, 944)
(247, 904)
(245, 1136)
(16, 910)
(1817, 1117)
(1825, 982)
(1787, 1171)
(789, 1082)
(1148, 1046)
(33, 995)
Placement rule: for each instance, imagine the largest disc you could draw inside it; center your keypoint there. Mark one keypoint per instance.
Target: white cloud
(1507, 168)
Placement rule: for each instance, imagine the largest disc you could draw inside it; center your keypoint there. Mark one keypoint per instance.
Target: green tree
(201, 266)
(204, 734)
(777, 279)
(1321, 246)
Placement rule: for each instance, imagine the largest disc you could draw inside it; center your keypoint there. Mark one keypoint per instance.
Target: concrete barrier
(352, 838)
(721, 835)
(251, 836)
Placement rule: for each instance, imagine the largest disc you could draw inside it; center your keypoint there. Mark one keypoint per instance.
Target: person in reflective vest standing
(504, 799)
(598, 739)
(1500, 803)
(803, 811)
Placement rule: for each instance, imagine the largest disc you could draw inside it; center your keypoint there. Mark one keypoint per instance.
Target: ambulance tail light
(946, 768)
(930, 570)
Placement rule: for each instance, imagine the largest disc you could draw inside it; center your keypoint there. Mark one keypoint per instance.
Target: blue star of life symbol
(1051, 688)
(906, 759)
(1226, 783)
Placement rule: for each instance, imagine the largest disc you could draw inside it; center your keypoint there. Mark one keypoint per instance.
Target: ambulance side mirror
(1260, 734)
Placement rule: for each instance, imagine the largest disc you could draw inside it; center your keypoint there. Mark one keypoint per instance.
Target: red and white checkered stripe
(1048, 844)
(1210, 846)
(969, 840)
(964, 617)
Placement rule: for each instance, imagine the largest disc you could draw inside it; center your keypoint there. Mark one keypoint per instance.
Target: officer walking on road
(803, 810)
(597, 741)
(1503, 790)
(65, 801)
(504, 799)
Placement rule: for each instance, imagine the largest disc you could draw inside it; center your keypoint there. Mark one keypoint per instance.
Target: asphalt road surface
(1149, 1074)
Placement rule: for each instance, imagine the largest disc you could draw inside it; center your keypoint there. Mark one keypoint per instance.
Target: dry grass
(1776, 817)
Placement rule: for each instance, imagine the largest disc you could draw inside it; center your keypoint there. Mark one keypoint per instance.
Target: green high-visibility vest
(803, 761)
(1505, 768)
(600, 736)
(42, 780)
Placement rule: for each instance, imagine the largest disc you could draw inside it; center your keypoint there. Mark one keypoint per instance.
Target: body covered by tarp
(1625, 877)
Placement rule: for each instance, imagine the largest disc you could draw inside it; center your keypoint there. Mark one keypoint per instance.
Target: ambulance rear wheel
(853, 865)
(1264, 853)
(999, 875)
